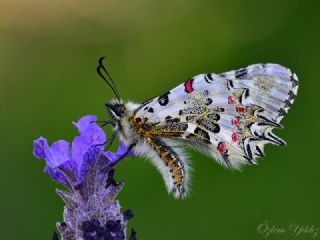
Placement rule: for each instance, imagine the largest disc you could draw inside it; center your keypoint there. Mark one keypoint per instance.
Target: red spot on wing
(234, 137)
(188, 86)
(221, 147)
(230, 100)
(241, 109)
(235, 122)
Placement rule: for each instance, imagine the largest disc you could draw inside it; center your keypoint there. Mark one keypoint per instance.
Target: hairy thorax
(126, 128)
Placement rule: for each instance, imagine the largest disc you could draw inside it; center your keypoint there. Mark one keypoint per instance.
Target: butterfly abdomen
(169, 160)
(173, 164)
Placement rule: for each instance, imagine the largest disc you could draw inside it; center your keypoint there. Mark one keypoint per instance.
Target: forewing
(230, 116)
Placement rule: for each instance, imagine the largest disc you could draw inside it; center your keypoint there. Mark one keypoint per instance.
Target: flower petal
(69, 169)
(58, 153)
(123, 151)
(84, 122)
(58, 176)
(90, 134)
(38, 147)
(78, 149)
(87, 167)
(88, 128)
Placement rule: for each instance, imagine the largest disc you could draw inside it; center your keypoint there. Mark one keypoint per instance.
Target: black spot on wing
(271, 137)
(190, 117)
(248, 150)
(173, 130)
(208, 101)
(193, 110)
(208, 78)
(292, 96)
(282, 112)
(173, 120)
(209, 125)
(269, 122)
(219, 109)
(183, 127)
(150, 110)
(287, 103)
(213, 116)
(192, 137)
(163, 100)
(202, 133)
(240, 73)
(147, 126)
(246, 93)
(294, 81)
(229, 84)
(259, 151)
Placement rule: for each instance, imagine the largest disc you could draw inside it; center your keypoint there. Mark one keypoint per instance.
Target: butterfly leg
(173, 167)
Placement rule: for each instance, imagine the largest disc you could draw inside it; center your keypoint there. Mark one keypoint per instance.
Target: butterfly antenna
(110, 82)
(104, 123)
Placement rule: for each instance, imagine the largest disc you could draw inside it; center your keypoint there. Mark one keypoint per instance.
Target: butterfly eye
(116, 109)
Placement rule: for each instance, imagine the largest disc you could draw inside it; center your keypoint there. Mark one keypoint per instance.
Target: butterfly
(228, 116)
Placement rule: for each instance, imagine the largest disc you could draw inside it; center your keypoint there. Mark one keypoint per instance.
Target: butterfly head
(116, 110)
(120, 114)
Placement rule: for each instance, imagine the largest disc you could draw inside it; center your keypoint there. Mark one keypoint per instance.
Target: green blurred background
(48, 56)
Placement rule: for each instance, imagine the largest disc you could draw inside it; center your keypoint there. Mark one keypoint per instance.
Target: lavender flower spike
(91, 211)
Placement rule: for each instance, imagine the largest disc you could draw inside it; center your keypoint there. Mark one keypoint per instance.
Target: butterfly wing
(229, 116)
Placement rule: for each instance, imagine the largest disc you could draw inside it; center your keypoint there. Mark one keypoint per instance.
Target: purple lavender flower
(91, 211)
